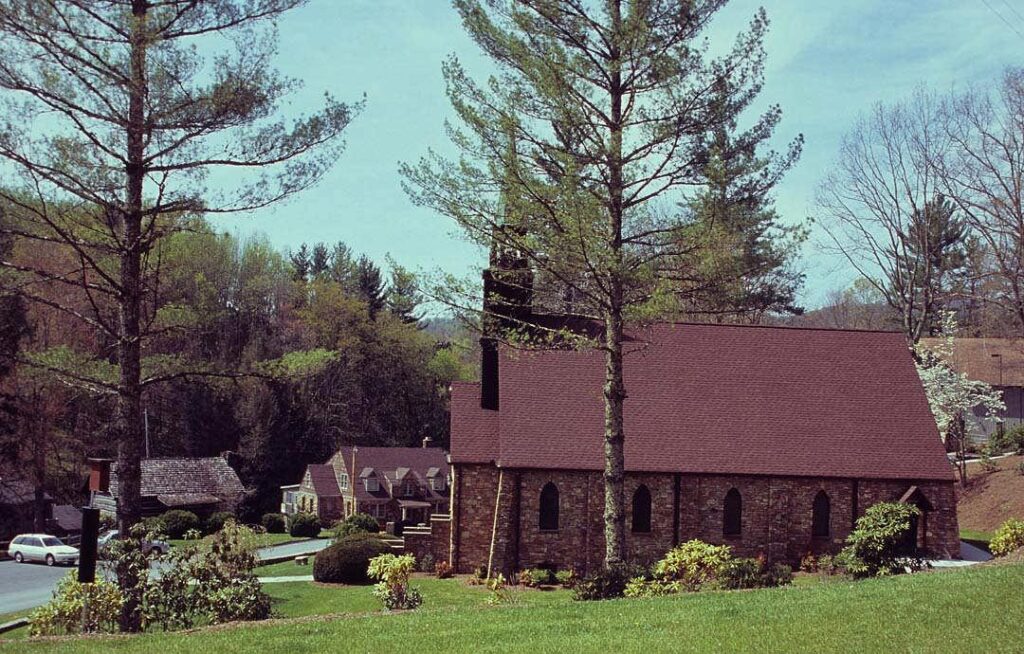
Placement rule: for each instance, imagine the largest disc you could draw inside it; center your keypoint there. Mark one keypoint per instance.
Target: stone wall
(433, 539)
(495, 519)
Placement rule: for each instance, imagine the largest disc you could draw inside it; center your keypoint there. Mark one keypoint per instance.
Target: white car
(42, 547)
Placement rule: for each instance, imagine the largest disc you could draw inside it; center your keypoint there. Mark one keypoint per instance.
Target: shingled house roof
(180, 479)
(323, 479)
(389, 465)
(713, 399)
(995, 361)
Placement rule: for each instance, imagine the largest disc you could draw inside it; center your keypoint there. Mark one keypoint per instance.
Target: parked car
(157, 547)
(42, 547)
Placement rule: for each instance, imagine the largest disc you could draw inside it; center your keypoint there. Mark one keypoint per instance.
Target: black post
(87, 548)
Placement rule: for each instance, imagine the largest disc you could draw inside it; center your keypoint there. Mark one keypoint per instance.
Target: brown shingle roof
(983, 359)
(385, 462)
(716, 399)
(324, 480)
(186, 476)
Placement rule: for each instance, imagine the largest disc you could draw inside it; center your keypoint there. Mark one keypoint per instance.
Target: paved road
(28, 585)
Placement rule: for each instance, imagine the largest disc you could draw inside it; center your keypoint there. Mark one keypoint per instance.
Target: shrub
(63, 615)
(753, 573)
(874, 548)
(565, 578)
(809, 563)
(479, 575)
(356, 523)
(305, 525)
(443, 570)
(347, 561)
(392, 589)
(426, 564)
(606, 584)
(535, 577)
(501, 591)
(1009, 537)
(693, 563)
(1010, 440)
(175, 523)
(153, 524)
(216, 521)
(274, 523)
(212, 583)
(192, 534)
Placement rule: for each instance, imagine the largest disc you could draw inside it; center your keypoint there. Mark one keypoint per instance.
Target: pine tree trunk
(129, 352)
(614, 388)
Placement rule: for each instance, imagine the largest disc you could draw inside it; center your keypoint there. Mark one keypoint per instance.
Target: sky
(827, 62)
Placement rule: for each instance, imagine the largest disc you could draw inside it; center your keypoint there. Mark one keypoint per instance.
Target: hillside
(992, 497)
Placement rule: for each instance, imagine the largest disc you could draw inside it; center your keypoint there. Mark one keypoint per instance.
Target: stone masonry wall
(776, 516)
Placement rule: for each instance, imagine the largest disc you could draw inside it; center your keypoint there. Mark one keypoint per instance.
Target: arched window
(821, 516)
(642, 510)
(549, 507)
(732, 516)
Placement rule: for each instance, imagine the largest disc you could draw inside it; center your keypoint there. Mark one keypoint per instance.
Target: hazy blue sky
(828, 61)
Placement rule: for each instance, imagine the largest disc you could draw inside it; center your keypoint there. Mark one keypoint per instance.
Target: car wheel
(18, 557)
(50, 560)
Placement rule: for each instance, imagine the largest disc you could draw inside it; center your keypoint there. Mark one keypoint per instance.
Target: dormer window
(437, 483)
(343, 480)
(372, 484)
(409, 490)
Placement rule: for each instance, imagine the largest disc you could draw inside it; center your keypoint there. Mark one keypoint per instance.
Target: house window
(409, 490)
(732, 516)
(437, 483)
(343, 480)
(549, 507)
(642, 510)
(821, 516)
(372, 484)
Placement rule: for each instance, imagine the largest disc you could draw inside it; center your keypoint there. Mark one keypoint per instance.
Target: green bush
(208, 583)
(216, 521)
(392, 589)
(175, 523)
(565, 578)
(753, 573)
(1010, 440)
(274, 523)
(875, 547)
(347, 561)
(153, 524)
(1009, 537)
(535, 577)
(356, 523)
(304, 525)
(63, 615)
(693, 564)
(607, 584)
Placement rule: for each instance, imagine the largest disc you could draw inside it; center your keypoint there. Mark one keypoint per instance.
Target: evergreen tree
(343, 268)
(403, 296)
(301, 263)
(320, 262)
(596, 111)
(370, 284)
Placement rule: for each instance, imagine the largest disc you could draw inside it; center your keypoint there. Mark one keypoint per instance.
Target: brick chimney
(427, 442)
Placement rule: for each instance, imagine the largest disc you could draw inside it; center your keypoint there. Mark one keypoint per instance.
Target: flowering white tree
(951, 394)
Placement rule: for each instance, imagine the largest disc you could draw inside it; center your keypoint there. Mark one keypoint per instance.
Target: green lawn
(968, 610)
(285, 569)
(265, 540)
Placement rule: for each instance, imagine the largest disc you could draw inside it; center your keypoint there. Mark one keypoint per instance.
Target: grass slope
(976, 609)
(991, 497)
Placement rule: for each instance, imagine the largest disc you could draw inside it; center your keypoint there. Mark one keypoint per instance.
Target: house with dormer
(392, 484)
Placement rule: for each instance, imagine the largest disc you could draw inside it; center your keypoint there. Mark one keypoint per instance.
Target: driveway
(28, 585)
